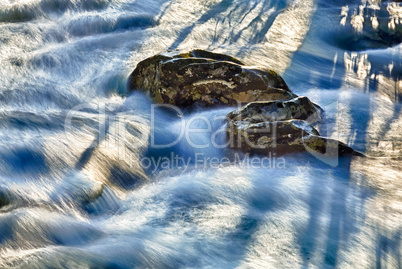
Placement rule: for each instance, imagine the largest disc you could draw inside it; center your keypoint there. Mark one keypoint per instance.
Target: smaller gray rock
(266, 136)
(282, 137)
(280, 127)
(300, 108)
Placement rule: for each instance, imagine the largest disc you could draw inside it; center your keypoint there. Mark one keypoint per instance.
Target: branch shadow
(321, 72)
(212, 12)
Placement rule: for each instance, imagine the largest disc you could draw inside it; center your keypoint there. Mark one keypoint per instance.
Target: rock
(4, 198)
(205, 79)
(254, 129)
(278, 136)
(328, 146)
(300, 108)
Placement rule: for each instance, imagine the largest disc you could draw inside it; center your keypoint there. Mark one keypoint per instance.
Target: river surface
(86, 178)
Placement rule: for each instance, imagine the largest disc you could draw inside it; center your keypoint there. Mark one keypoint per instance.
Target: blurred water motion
(78, 196)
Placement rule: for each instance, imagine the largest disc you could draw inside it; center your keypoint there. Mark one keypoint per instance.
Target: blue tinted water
(83, 183)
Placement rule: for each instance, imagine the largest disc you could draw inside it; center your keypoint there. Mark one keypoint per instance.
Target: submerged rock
(202, 78)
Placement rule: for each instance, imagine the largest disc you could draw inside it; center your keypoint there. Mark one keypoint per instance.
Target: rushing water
(83, 183)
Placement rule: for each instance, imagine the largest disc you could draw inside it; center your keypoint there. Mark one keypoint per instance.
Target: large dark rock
(202, 78)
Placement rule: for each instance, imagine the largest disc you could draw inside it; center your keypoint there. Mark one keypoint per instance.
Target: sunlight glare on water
(85, 196)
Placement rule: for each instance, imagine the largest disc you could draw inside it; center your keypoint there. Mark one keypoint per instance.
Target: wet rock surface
(273, 119)
(281, 127)
(300, 108)
(205, 79)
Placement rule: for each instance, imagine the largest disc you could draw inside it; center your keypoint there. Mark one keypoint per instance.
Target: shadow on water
(262, 200)
(386, 245)
(24, 160)
(378, 69)
(121, 178)
(277, 6)
(308, 236)
(236, 15)
(321, 72)
(22, 12)
(325, 73)
(119, 174)
(211, 13)
(345, 207)
(101, 135)
(341, 224)
(373, 85)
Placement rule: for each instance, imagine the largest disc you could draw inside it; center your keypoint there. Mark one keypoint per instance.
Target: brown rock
(202, 78)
